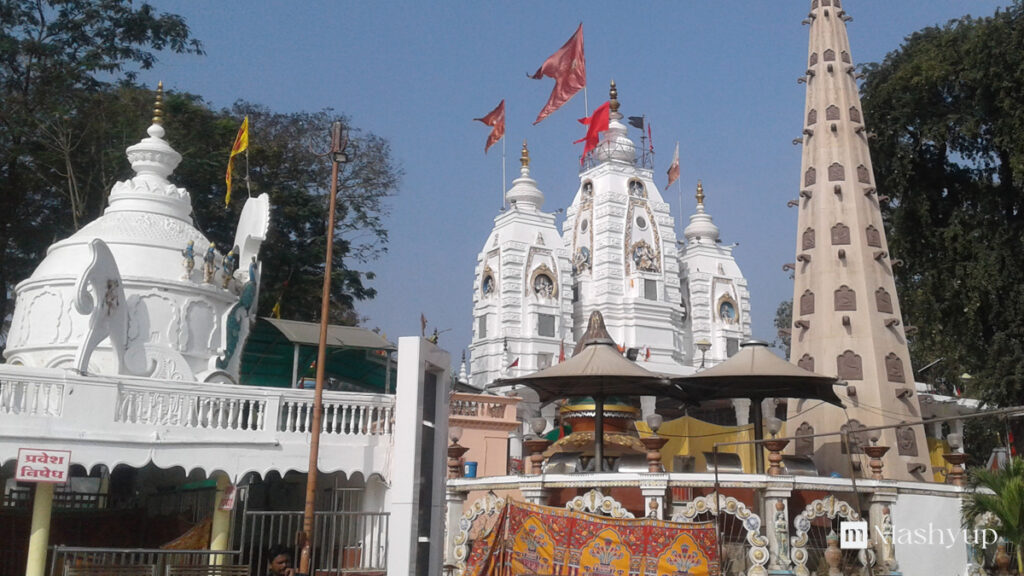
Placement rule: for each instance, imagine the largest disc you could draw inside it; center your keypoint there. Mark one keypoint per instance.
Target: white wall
(929, 520)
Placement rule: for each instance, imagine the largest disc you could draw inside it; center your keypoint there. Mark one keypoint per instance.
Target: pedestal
(536, 449)
(654, 498)
(654, 444)
(775, 448)
(956, 472)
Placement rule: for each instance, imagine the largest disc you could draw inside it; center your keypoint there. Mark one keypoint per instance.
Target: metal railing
(342, 541)
(63, 557)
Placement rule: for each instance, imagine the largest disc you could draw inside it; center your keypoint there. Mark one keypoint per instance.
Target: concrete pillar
(42, 506)
(881, 531)
(220, 531)
(775, 517)
(456, 504)
(742, 408)
(654, 498)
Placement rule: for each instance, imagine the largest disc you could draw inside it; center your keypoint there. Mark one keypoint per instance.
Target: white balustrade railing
(480, 406)
(31, 398)
(344, 414)
(100, 402)
(142, 404)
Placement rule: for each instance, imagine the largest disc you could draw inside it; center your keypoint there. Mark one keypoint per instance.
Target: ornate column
(742, 408)
(776, 525)
(876, 453)
(655, 491)
(881, 531)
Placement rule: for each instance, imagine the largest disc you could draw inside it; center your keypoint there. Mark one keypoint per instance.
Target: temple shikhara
(614, 417)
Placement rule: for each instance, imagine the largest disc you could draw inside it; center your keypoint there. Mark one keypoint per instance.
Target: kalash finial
(158, 107)
(700, 193)
(613, 96)
(524, 157)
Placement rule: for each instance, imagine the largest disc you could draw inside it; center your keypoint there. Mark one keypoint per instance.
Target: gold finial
(613, 95)
(524, 158)
(158, 108)
(700, 193)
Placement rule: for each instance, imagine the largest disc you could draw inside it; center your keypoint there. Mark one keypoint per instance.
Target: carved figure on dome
(229, 264)
(208, 263)
(644, 257)
(100, 295)
(189, 253)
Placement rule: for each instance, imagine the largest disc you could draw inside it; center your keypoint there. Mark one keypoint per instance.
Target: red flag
(568, 68)
(561, 352)
(673, 170)
(496, 120)
(647, 353)
(650, 139)
(514, 363)
(597, 123)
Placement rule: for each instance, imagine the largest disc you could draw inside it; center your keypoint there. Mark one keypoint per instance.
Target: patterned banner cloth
(528, 539)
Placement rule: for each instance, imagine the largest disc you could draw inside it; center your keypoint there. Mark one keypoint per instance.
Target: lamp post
(337, 154)
(703, 346)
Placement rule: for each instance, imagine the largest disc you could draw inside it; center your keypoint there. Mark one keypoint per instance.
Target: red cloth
(569, 69)
(496, 120)
(597, 123)
(673, 170)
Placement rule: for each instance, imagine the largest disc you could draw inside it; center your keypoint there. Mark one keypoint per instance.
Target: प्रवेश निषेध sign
(35, 465)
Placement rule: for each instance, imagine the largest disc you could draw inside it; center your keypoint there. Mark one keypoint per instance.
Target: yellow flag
(240, 145)
(276, 311)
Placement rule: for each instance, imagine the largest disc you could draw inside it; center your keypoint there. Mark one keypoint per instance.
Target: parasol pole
(758, 437)
(599, 432)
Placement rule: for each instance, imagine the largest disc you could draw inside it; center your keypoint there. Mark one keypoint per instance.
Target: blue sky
(719, 77)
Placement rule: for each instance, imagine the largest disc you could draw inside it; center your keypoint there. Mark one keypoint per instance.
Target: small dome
(701, 229)
(615, 145)
(524, 193)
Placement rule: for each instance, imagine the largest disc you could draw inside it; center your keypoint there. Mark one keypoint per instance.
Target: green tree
(948, 151)
(1000, 494)
(54, 55)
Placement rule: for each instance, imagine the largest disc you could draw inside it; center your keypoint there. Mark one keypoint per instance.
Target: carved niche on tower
(845, 299)
(805, 440)
(840, 234)
(855, 114)
(848, 366)
(855, 435)
(883, 301)
(806, 362)
(863, 174)
(810, 176)
(873, 236)
(906, 441)
(829, 55)
(836, 172)
(807, 303)
(832, 112)
(894, 368)
(807, 241)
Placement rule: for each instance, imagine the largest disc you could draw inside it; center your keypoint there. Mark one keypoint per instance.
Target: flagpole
(248, 190)
(503, 172)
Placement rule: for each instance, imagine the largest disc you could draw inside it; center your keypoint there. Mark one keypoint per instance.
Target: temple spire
(158, 106)
(846, 314)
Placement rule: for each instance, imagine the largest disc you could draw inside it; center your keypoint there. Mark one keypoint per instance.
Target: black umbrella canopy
(755, 372)
(596, 368)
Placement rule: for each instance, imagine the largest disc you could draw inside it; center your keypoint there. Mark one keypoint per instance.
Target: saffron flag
(596, 123)
(241, 144)
(496, 120)
(673, 169)
(569, 69)
(650, 139)
(514, 363)
(561, 352)
(276, 311)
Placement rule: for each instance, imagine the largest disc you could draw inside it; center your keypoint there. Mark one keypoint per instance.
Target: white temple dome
(524, 193)
(701, 229)
(615, 145)
(177, 319)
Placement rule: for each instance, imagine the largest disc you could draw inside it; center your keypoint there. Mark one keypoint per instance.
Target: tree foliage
(54, 56)
(948, 149)
(784, 326)
(1002, 499)
(70, 109)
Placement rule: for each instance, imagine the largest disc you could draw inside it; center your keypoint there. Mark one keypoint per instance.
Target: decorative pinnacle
(524, 158)
(613, 95)
(158, 107)
(700, 193)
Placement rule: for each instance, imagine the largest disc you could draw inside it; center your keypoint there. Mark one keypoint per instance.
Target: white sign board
(35, 465)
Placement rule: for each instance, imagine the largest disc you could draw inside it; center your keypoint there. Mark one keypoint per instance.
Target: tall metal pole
(305, 538)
